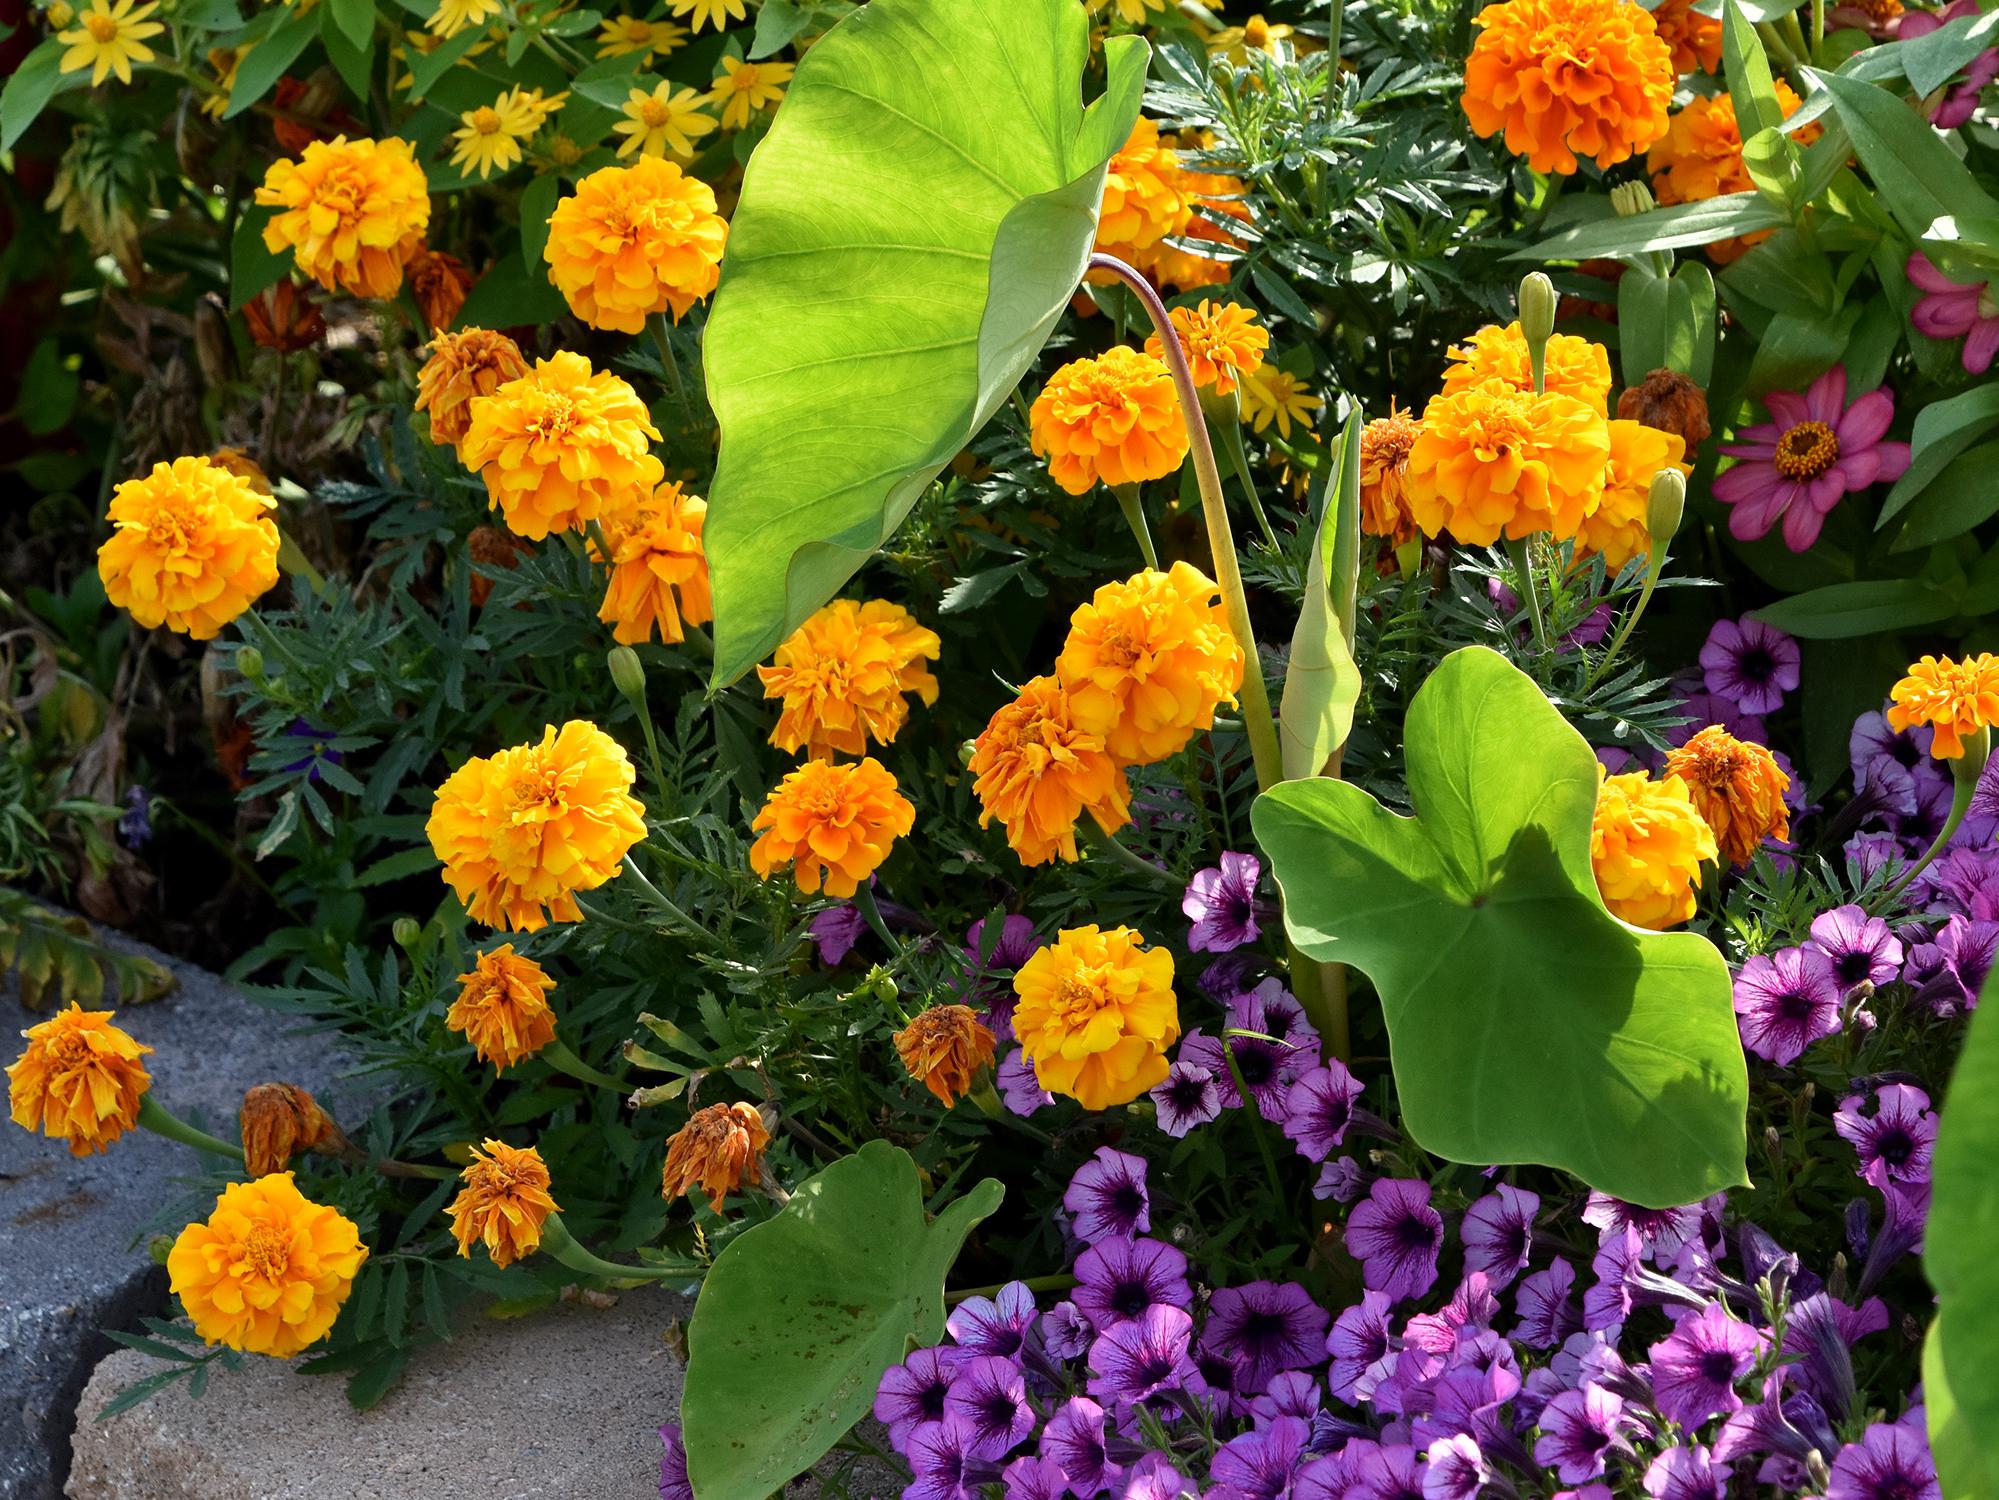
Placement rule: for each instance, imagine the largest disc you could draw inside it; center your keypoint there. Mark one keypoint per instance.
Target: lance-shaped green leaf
(1525, 1022)
(908, 234)
(1321, 682)
(800, 1316)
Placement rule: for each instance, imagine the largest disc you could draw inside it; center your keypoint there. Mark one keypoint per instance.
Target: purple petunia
(1360, 1338)
(1106, 1198)
(1785, 1001)
(1547, 1310)
(939, 1456)
(1279, 1047)
(912, 1393)
(1271, 1326)
(984, 985)
(1695, 1368)
(1820, 1336)
(1498, 1232)
(835, 931)
(1144, 1357)
(673, 1481)
(1342, 1181)
(1686, 1474)
(1751, 664)
(1457, 1469)
(1074, 1438)
(1948, 972)
(1259, 1464)
(1065, 1332)
(1033, 1478)
(1117, 1280)
(1660, 1231)
(1291, 1394)
(1221, 900)
(1890, 1462)
(1816, 449)
(1396, 1237)
(1580, 1430)
(988, 1401)
(1893, 1131)
(985, 1325)
(1018, 1087)
(1318, 1108)
(1153, 1477)
(1860, 948)
(1187, 1098)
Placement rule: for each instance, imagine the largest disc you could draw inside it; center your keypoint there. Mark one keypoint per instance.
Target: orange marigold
(78, 1080)
(1114, 418)
(351, 212)
(1617, 527)
(1958, 699)
(635, 240)
(1039, 770)
(842, 677)
(1214, 201)
(1569, 78)
(278, 1121)
(1148, 660)
(1700, 157)
(1144, 198)
(718, 1150)
(1498, 356)
(471, 362)
(1385, 444)
(944, 1048)
(1738, 789)
(269, 1269)
(1095, 1015)
(502, 1007)
(560, 445)
(1494, 462)
(440, 284)
(520, 832)
(284, 318)
(192, 546)
(833, 824)
(504, 1203)
(659, 568)
(1647, 845)
(1222, 340)
(1694, 39)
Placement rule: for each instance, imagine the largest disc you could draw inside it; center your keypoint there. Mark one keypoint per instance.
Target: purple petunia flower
(1234, 974)
(1890, 1462)
(1816, 449)
(1959, 102)
(1074, 1438)
(1259, 1464)
(984, 984)
(1291, 1394)
(1387, 1471)
(1893, 1131)
(939, 1456)
(1660, 1231)
(1498, 1232)
(1580, 1430)
(988, 1401)
(1686, 1474)
(1032, 1478)
(1318, 1108)
(1360, 1338)
(1457, 1469)
(1860, 948)
(1065, 1332)
(1153, 1477)
(1187, 1098)
(1785, 1001)
(1788, 1425)
(1144, 1357)
(1695, 1368)
(1018, 1087)
(835, 931)
(1948, 972)
(1820, 1334)
(984, 1325)
(1106, 1198)
(673, 1481)
(1117, 1280)
(912, 1393)
(1342, 1181)
(1964, 880)
(1396, 1237)
(1222, 902)
(318, 746)
(1280, 1047)
(1702, 708)
(1271, 1326)
(1751, 664)
(1547, 1312)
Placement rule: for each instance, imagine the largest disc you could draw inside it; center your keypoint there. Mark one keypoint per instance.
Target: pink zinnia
(1796, 468)
(1959, 102)
(1953, 309)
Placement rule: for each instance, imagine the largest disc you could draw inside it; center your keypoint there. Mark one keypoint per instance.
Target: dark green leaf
(778, 24)
(1682, 225)
(511, 295)
(1748, 72)
(271, 58)
(537, 203)
(427, 67)
(369, 1384)
(351, 59)
(1929, 62)
(48, 390)
(356, 20)
(1842, 611)
(1943, 430)
(28, 92)
(1960, 497)
(252, 265)
(1797, 348)
(1917, 176)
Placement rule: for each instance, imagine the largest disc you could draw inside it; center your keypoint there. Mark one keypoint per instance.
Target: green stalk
(1964, 774)
(559, 1057)
(1523, 570)
(864, 898)
(657, 898)
(561, 1244)
(1134, 517)
(155, 1117)
(1224, 417)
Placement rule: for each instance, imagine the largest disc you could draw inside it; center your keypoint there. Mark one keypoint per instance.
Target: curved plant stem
(1256, 1120)
(1960, 804)
(1225, 422)
(155, 1117)
(1059, 1281)
(1523, 570)
(1624, 630)
(1134, 517)
(561, 1244)
(653, 895)
(1133, 861)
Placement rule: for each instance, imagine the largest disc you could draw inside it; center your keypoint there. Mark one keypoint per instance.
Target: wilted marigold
(1617, 527)
(440, 283)
(659, 568)
(283, 318)
(471, 362)
(1671, 402)
(278, 1121)
(1494, 462)
(78, 1080)
(191, 547)
(718, 1150)
(351, 212)
(560, 445)
(520, 832)
(1498, 356)
(1039, 771)
(1647, 845)
(1738, 789)
(843, 674)
(1957, 699)
(268, 1272)
(1095, 1015)
(1693, 39)
(502, 1007)
(944, 1048)
(833, 824)
(1143, 199)
(635, 240)
(1148, 660)
(504, 1203)
(1222, 340)
(1114, 418)
(1569, 78)
(1384, 473)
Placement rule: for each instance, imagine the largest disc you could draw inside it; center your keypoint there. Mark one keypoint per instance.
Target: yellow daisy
(1274, 395)
(744, 89)
(110, 39)
(531, 106)
(623, 35)
(662, 119)
(716, 13)
(224, 60)
(490, 138)
(453, 16)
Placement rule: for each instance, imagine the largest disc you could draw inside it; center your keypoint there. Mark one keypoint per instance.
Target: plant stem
(1059, 1281)
(1624, 630)
(1130, 858)
(1322, 989)
(1257, 719)
(657, 898)
(1134, 517)
(1225, 418)
(864, 898)
(1255, 1112)
(1960, 804)
(561, 1244)
(155, 1117)
(1523, 569)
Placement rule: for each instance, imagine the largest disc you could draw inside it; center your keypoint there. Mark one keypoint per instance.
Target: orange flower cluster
(833, 824)
(1150, 200)
(1493, 462)
(1700, 157)
(1694, 39)
(78, 1080)
(471, 362)
(659, 567)
(1114, 419)
(1496, 356)
(635, 240)
(718, 1150)
(1617, 527)
(1738, 789)
(192, 546)
(945, 1048)
(1038, 770)
(504, 1203)
(502, 1007)
(1647, 845)
(844, 675)
(1959, 700)
(1223, 340)
(1385, 445)
(351, 212)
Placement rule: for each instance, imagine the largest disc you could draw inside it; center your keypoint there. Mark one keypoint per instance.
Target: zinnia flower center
(1807, 451)
(267, 1250)
(101, 25)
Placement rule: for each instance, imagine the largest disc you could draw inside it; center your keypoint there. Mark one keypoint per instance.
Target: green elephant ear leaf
(1526, 1023)
(908, 234)
(799, 1317)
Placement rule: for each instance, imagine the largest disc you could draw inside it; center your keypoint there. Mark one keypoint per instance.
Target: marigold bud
(717, 1150)
(406, 931)
(944, 1049)
(628, 674)
(1670, 402)
(278, 1121)
(250, 662)
(1537, 307)
(1629, 199)
(1665, 504)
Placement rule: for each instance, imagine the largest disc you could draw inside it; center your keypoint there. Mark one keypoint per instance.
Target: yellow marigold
(1096, 1014)
(268, 1271)
(1493, 461)
(1700, 157)
(1039, 770)
(1222, 340)
(1276, 395)
(79, 1079)
(351, 212)
(718, 1150)
(1498, 356)
(747, 89)
(1148, 660)
(560, 445)
(1617, 527)
(1113, 418)
(503, 1204)
(1384, 469)
(110, 39)
(520, 832)
(659, 569)
(1694, 39)
(1958, 699)
(944, 1048)
(833, 824)
(1738, 789)
(471, 362)
(843, 674)
(191, 547)
(1143, 198)
(1647, 845)
(1569, 78)
(502, 1007)
(278, 1121)
(633, 241)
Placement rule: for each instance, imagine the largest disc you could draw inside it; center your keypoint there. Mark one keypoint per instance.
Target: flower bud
(1967, 767)
(1537, 308)
(1631, 198)
(883, 984)
(61, 14)
(250, 662)
(280, 1120)
(628, 674)
(1664, 506)
(406, 931)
